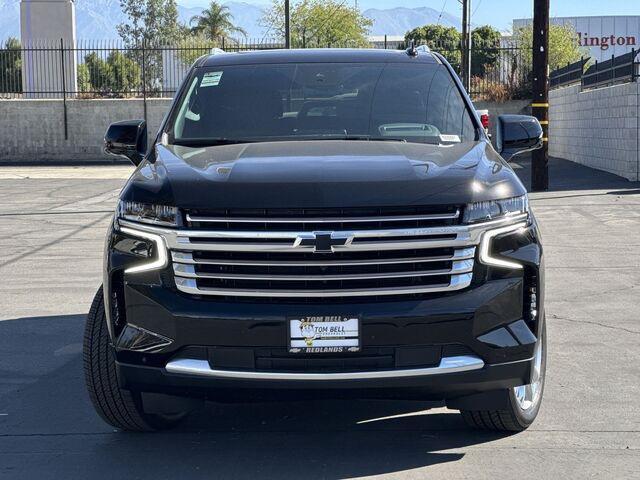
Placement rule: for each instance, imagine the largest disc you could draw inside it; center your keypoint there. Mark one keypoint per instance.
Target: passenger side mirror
(517, 134)
(127, 139)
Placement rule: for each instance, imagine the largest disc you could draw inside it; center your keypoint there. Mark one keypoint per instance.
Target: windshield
(314, 101)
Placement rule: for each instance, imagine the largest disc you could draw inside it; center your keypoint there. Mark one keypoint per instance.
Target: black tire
(513, 418)
(119, 408)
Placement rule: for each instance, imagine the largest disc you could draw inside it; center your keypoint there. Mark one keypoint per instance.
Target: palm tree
(215, 22)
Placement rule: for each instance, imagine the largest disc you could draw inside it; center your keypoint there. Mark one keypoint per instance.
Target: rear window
(416, 103)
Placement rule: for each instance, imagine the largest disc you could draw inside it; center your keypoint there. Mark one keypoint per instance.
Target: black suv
(320, 223)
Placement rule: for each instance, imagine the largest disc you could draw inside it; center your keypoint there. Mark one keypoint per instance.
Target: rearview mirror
(517, 134)
(127, 139)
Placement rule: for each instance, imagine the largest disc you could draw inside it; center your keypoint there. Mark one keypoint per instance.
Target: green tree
(445, 40)
(84, 81)
(151, 24)
(563, 45)
(215, 22)
(317, 23)
(117, 76)
(485, 42)
(11, 67)
(150, 21)
(194, 46)
(485, 49)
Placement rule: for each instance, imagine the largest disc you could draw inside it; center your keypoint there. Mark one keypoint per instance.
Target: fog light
(141, 340)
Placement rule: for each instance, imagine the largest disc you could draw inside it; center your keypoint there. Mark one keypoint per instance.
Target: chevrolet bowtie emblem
(322, 241)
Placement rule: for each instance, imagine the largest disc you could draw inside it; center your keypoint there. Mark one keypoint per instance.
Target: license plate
(324, 334)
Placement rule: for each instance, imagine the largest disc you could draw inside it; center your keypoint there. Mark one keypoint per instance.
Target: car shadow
(45, 408)
(570, 176)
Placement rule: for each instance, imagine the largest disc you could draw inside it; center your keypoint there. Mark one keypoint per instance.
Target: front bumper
(441, 346)
(217, 347)
(449, 386)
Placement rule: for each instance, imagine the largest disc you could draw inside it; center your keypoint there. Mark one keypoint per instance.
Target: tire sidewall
(526, 417)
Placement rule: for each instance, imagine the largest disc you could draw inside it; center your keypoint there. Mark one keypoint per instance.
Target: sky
(498, 13)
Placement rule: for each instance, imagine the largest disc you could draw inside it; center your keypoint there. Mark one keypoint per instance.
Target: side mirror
(127, 139)
(517, 134)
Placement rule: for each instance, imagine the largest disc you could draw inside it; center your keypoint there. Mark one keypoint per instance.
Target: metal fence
(499, 72)
(621, 69)
(571, 73)
(105, 69)
(111, 69)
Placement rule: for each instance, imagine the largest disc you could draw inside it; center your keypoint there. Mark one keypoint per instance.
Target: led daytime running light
(485, 244)
(162, 259)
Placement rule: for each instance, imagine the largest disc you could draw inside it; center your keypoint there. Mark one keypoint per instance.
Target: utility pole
(287, 24)
(465, 66)
(540, 103)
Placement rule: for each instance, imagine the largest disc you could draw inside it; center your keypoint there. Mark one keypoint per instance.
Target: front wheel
(524, 401)
(118, 407)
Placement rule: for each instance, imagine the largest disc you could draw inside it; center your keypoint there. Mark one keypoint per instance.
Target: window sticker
(450, 138)
(211, 79)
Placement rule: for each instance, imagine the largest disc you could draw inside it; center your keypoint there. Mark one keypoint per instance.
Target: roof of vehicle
(320, 55)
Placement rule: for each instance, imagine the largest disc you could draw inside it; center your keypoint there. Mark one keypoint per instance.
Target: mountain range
(397, 21)
(97, 19)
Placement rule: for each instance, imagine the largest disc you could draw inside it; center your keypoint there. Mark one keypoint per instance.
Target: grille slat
(457, 282)
(323, 253)
(189, 271)
(188, 258)
(312, 219)
(399, 218)
(185, 243)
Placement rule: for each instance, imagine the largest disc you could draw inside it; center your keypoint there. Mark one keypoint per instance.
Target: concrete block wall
(598, 128)
(33, 130)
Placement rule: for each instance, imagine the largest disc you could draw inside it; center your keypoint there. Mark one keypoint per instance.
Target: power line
(477, 7)
(264, 37)
(444, 5)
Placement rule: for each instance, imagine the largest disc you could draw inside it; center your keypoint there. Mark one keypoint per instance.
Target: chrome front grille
(323, 254)
(298, 277)
(379, 259)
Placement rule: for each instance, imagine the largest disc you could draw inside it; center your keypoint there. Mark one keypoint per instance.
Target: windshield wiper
(331, 136)
(369, 138)
(209, 142)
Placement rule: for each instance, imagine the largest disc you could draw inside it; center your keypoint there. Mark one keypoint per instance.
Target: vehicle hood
(322, 174)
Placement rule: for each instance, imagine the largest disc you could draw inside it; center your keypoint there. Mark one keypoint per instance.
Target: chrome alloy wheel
(528, 396)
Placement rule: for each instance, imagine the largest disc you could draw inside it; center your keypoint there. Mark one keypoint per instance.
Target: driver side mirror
(127, 139)
(517, 134)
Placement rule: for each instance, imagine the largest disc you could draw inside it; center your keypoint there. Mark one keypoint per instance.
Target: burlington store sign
(606, 42)
(603, 36)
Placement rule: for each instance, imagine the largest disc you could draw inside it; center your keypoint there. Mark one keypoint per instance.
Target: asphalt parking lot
(52, 225)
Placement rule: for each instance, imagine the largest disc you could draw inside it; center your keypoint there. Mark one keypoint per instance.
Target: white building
(604, 36)
(391, 42)
(46, 26)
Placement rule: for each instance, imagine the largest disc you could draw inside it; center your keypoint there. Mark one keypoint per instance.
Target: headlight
(148, 213)
(485, 255)
(495, 209)
(161, 259)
